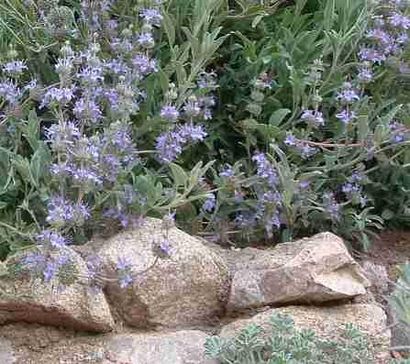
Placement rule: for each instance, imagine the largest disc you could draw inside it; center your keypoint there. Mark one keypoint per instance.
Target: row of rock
(197, 283)
(187, 346)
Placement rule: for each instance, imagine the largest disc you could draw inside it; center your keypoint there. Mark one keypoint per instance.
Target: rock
(400, 333)
(377, 275)
(76, 306)
(327, 322)
(6, 352)
(183, 347)
(313, 270)
(188, 288)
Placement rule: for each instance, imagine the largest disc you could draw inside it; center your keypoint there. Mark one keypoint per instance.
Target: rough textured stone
(377, 275)
(182, 347)
(187, 288)
(327, 322)
(313, 270)
(6, 352)
(76, 306)
(400, 333)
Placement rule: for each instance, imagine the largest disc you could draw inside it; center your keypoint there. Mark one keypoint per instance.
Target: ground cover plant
(284, 343)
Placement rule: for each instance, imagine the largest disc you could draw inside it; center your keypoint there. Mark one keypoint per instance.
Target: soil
(391, 249)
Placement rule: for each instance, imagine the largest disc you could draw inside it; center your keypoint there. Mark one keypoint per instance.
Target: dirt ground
(391, 249)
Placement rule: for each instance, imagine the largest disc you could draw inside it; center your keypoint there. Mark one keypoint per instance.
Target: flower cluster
(50, 260)
(170, 144)
(302, 147)
(347, 97)
(91, 161)
(100, 86)
(388, 37)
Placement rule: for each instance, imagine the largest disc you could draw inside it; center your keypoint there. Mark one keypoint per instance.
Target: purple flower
(151, 16)
(117, 66)
(371, 55)
(331, 206)
(272, 197)
(346, 116)
(83, 175)
(14, 67)
(303, 185)
(31, 85)
(10, 92)
(245, 220)
(380, 35)
(62, 135)
(144, 65)
(365, 75)
(227, 172)
(33, 262)
(210, 203)
(87, 109)
(402, 38)
(52, 238)
(94, 266)
(356, 177)
(124, 272)
(192, 109)
(272, 222)
(399, 21)
(306, 150)
(348, 95)
(207, 80)
(50, 271)
(44, 265)
(165, 247)
(169, 145)
(169, 113)
(64, 66)
(351, 188)
(290, 140)
(91, 75)
(399, 133)
(313, 117)
(145, 40)
(265, 169)
(62, 212)
(60, 96)
(192, 133)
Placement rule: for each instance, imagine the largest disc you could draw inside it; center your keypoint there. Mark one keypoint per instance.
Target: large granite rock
(6, 352)
(312, 270)
(73, 306)
(189, 286)
(182, 347)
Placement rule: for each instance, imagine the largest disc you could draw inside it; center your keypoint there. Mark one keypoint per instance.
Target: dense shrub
(298, 112)
(314, 137)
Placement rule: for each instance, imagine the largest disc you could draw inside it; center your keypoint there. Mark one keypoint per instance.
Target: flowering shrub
(72, 127)
(291, 118)
(316, 135)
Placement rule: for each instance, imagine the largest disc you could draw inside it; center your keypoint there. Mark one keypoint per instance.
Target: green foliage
(274, 59)
(400, 299)
(284, 343)
(304, 53)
